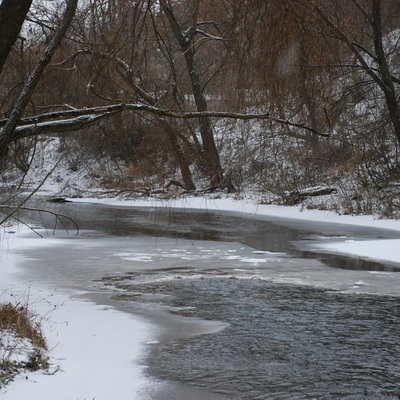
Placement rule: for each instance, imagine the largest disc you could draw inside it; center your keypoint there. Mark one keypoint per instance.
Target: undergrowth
(22, 343)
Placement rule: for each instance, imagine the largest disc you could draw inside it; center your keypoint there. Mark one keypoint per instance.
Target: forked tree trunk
(211, 154)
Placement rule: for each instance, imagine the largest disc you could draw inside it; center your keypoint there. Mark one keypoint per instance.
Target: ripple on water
(283, 341)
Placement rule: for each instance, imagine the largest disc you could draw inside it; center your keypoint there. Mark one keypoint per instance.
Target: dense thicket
(328, 74)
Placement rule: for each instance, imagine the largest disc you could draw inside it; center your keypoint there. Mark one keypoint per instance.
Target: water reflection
(267, 234)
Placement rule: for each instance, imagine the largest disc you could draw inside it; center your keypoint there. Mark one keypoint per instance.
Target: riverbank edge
(378, 250)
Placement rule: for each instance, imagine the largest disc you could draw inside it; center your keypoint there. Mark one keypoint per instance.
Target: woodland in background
(291, 99)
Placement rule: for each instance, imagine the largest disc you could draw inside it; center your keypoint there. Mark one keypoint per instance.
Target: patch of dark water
(350, 263)
(282, 342)
(266, 234)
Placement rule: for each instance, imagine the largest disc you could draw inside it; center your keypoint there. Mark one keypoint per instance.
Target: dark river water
(315, 339)
(284, 342)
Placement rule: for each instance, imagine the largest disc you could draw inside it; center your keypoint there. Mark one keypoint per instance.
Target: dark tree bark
(12, 16)
(211, 154)
(180, 156)
(381, 72)
(6, 133)
(126, 73)
(387, 83)
(124, 70)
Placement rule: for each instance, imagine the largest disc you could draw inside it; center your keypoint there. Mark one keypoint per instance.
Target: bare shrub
(20, 332)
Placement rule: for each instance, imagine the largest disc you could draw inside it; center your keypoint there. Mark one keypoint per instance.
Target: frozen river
(245, 308)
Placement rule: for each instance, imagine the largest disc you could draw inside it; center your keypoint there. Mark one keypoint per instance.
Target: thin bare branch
(26, 199)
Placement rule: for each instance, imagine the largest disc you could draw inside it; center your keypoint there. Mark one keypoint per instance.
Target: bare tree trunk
(387, 83)
(207, 135)
(12, 16)
(381, 74)
(6, 133)
(125, 72)
(180, 157)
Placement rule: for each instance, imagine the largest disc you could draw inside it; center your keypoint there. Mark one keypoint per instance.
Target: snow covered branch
(7, 131)
(208, 35)
(76, 119)
(57, 126)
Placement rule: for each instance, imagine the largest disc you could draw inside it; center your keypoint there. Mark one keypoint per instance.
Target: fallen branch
(70, 120)
(298, 196)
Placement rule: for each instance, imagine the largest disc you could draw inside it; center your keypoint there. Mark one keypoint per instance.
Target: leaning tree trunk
(12, 16)
(7, 132)
(387, 84)
(179, 156)
(211, 154)
(207, 135)
(381, 74)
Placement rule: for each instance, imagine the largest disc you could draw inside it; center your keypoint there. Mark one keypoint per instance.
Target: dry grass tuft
(22, 344)
(19, 319)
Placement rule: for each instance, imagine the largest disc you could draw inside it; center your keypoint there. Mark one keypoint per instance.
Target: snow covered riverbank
(96, 351)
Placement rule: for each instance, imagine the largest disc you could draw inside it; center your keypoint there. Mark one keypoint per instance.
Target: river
(245, 309)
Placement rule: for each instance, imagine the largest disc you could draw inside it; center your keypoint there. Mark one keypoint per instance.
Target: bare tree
(186, 38)
(365, 41)
(136, 58)
(7, 131)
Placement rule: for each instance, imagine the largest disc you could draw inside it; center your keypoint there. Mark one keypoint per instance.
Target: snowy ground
(96, 351)
(92, 356)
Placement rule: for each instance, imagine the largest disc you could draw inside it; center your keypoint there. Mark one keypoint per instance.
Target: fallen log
(298, 196)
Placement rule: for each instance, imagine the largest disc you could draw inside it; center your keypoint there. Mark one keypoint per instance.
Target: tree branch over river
(66, 121)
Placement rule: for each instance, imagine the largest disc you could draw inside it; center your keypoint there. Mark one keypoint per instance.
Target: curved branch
(58, 216)
(70, 120)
